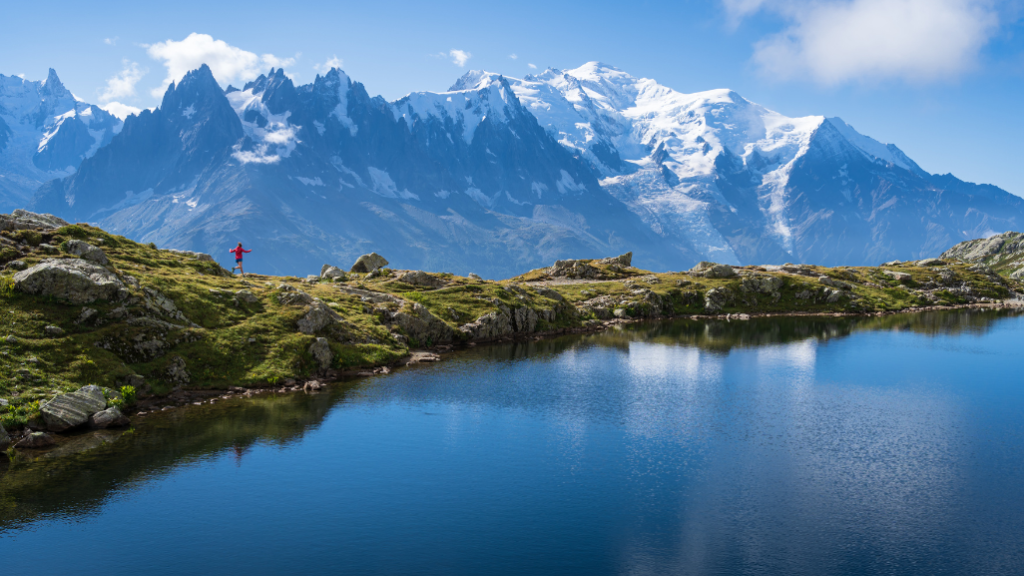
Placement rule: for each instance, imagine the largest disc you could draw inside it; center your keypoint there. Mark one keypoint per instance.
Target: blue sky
(942, 79)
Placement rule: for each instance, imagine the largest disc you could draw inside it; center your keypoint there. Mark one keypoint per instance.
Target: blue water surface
(771, 447)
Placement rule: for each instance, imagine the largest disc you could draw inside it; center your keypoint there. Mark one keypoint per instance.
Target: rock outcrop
(109, 418)
(70, 280)
(421, 278)
(712, 270)
(320, 350)
(36, 440)
(72, 410)
(197, 255)
(329, 272)
(419, 324)
(25, 220)
(368, 263)
(86, 251)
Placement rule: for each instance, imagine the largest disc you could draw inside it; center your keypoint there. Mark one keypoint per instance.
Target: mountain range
(498, 175)
(45, 133)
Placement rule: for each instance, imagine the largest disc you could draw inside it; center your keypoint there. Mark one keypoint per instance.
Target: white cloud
(123, 84)
(532, 66)
(228, 63)
(836, 41)
(513, 56)
(459, 57)
(111, 41)
(333, 62)
(122, 111)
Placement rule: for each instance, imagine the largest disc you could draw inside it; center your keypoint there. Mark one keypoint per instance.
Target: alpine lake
(790, 446)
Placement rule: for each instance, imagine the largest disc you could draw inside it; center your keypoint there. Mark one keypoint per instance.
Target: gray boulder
(87, 251)
(573, 269)
(318, 318)
(294, 298)
(36, 440)
(70, 280)
(1018, 274)
(177, 372)
(53, 331)
(109, 418)
(761, 283)
(715, 300)
(713, 270)
(421, 278)
(329, 272)
(320, 350)
(623, 261)
(369, 263)
(246, 296)
(418, 323)
(930, 262)
(25, 220)
(901, 277)
(488, 327)
(74, 409)
(5, 439)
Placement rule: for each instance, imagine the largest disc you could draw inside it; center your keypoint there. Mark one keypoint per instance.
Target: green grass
(234, 343)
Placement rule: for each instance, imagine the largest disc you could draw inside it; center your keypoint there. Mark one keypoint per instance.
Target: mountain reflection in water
(757, 446)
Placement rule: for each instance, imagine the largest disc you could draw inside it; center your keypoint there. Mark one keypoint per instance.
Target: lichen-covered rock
(177, 372)
(295, 298)
(901, 277)
(329, 272)
(930, 262)
(761, 283)
(715, 300)
(87, 251)
(71, 280)
(36, 440)
(488, 327)
(623, 261)
(552, 294)
(320, 350)
(421, 278)
(110, 418)
(577, 269)
(320, 319)
(369, 263)
(25, 220)
(713, 270)
(53, 331)
(246, 297)
(1018, 274)
(419, 324)
(74, 409)
(524, 320)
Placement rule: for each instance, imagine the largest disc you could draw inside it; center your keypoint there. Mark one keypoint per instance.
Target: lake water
(785, 446)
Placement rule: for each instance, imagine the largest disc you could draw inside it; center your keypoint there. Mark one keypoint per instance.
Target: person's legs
(240, 271)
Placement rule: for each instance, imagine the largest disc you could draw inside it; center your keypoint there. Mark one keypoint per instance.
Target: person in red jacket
(238, 258)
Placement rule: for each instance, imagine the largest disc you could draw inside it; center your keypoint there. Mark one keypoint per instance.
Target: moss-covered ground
(182, 309)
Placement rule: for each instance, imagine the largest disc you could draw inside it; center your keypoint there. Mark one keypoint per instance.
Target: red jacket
(238, 252)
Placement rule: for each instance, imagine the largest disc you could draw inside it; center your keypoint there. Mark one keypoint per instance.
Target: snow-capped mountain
(45, 133)
(498, 175)
(461, 181)
(744, 184)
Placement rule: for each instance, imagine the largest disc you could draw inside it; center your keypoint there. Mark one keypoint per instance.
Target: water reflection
(781, 446)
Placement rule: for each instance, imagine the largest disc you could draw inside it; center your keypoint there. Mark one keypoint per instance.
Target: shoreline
(194, 398)
(437, 353)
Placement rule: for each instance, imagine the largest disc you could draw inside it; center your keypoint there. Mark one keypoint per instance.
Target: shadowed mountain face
(500, 175)
(323, 173)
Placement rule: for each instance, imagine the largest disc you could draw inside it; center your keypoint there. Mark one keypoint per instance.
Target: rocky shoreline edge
(189, 399)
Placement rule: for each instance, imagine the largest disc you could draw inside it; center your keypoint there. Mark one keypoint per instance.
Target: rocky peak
(52, 86)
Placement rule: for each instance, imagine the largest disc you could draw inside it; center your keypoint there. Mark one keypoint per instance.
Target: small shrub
(6, 286)
(128, 394)
(152, 245)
